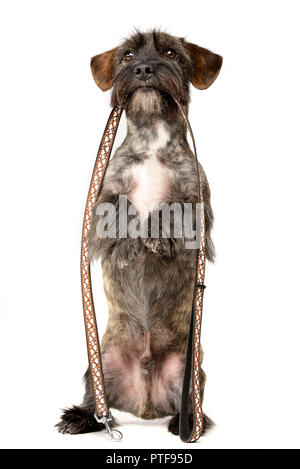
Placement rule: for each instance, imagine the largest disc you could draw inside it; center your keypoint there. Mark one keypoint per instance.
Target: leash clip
(113, 434)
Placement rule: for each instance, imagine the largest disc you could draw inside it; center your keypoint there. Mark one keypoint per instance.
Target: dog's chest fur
(151, 178)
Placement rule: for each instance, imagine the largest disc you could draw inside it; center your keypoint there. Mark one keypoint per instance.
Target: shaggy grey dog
(148, 280)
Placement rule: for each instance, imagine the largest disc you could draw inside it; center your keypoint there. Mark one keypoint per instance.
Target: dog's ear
(206, 65)
(102, 66)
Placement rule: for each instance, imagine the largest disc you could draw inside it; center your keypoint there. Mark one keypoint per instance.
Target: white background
(247, 129)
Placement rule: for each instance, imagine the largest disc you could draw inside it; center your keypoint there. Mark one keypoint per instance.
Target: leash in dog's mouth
(147, 88)
(192, 368)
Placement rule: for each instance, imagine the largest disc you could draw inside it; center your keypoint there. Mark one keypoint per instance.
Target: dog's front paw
(78, 420)
(160, 246)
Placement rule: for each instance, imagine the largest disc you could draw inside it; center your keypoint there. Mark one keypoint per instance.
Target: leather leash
(192, 363)
(102, 413)
(192, 366)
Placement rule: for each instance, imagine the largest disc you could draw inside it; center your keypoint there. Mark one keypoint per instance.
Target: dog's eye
(170, 54)
(128, 56)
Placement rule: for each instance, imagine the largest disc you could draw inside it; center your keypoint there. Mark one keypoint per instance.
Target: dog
(148, 280)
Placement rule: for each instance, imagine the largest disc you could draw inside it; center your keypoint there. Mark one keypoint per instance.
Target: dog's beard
(145, 101)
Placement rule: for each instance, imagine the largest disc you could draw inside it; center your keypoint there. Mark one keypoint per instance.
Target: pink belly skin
(133, 386)
(167, 380)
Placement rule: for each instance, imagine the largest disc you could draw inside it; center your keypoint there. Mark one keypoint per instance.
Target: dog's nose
(143, 71)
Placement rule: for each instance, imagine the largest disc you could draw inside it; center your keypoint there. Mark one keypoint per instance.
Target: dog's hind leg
(80, 419)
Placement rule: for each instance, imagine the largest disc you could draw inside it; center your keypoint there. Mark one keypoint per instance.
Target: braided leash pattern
(198, 307)
(86, 288)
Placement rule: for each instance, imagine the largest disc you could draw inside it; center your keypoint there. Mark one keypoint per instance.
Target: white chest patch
(151, 177)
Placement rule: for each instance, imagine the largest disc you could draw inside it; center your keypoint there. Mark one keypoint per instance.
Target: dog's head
(149, 68)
